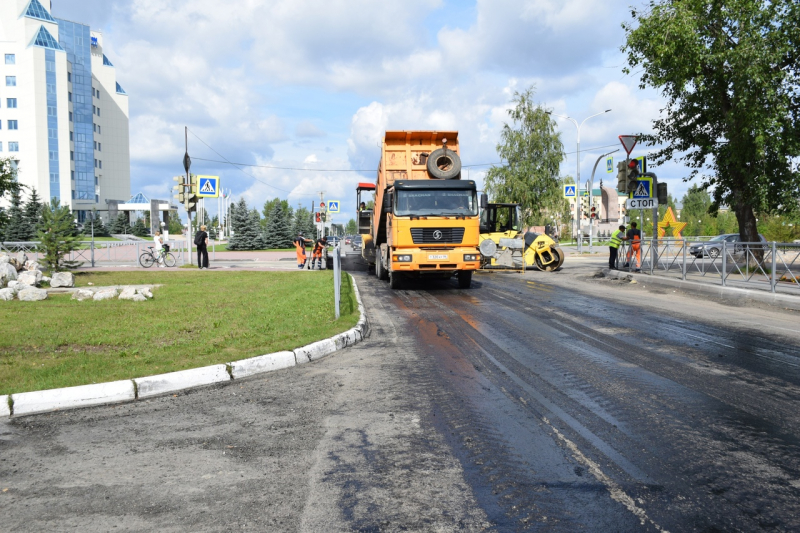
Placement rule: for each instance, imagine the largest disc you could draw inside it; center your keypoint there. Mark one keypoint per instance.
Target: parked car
(713, 247)
(333, 240)
(356, 242)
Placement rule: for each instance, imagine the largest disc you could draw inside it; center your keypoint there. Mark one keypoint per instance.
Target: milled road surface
(552, 401)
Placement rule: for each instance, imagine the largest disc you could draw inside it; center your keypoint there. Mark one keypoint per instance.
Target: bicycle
(148, 259)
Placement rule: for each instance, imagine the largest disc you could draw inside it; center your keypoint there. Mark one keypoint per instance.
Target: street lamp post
(578, 172)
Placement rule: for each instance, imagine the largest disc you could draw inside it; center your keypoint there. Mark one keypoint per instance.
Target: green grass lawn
(197, 318)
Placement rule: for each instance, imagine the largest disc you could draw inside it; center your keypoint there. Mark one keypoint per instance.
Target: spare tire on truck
(444, 164)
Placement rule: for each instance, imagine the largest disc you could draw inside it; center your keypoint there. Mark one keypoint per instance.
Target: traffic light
(585, 206)
(633, 176)
(318, 217)
(324, 216)
(193, 184)
(594, 213)
(661, 190)
(179, 188)
(622, 177)
(191, 203)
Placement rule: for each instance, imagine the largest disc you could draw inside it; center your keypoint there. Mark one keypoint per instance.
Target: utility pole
(187, 163)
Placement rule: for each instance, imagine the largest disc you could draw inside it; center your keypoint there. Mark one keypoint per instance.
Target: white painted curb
(4, 410)
(119, 391)
(27, 403)
(263, 363)
(183, 379)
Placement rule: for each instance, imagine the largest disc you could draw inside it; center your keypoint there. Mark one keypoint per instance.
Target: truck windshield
(436, 202)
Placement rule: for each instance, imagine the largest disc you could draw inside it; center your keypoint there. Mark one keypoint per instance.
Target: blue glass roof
(139, 199)
(37, 11)
(120, 90)
(45, 40)
(107, 62)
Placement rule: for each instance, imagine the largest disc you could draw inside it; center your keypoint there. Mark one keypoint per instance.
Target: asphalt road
(554, 401)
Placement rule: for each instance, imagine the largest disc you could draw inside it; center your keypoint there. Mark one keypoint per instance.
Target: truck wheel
(464, 279)
(380, 271)
(394, 280)
(444, 166)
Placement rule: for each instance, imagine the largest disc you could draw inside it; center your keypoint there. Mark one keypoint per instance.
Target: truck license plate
(440, 256)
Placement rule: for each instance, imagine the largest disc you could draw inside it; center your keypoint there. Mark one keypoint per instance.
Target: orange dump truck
(425, 221)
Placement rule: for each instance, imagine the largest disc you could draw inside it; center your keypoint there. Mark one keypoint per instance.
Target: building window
(95, 145)
(73, 195)
(99, 147)
(13, 147)
(1, 146)
(52, 111)
(97, 198)
(95, 181)
(53, 155)
(94, 109)
(98, 111)
(69, 96)
(98, 129)
(13, 125)
(69, 76)
(70, 136)
(72, 155)
(11, 59)
(11, 103)
(95, 163)
(72, 172)
(70, 116)
(11, 81)
(52, 133)
(101, 165)
(53, 177)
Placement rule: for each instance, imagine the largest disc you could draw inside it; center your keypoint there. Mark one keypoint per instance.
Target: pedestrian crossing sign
(569, 191)
(333, 206)
(644, 188)
(610, 164)
(208, 186)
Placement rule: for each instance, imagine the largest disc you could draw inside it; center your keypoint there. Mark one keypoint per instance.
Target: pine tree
(33, 212)
(279, 228)
(242, 236)
(254, 222)
(56, 236)
(100, 229)
(139, 229)
(120, 225)
(17, 229)
(304, 221)
(3, 221)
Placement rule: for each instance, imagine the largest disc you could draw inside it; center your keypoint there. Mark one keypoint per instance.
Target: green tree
(279, 228)
(351, 228)
(3, 222)
(303, 221)
(244, 234)
(532, 151)
(139, 228)
(729, 72)
(120, 225)
(100, 229)
(8, 176)
(269, 205)
(56, 235)
(33, 212)
(18, 227)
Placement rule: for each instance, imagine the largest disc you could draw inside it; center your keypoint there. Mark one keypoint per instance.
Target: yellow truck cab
(425, 217)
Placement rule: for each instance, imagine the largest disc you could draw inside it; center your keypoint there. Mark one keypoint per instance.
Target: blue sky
(312, 84)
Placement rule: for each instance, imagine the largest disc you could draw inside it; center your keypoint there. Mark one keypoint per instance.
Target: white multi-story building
(63, 116)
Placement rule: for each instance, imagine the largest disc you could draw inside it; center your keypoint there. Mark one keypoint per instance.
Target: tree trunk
(748, 228)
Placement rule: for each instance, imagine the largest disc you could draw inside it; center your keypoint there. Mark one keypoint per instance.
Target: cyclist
(159, 248)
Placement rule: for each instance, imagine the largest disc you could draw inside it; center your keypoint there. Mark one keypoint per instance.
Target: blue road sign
(644, 188)
(333, 206)
(569, 191)
(208, 186)
(610, 164)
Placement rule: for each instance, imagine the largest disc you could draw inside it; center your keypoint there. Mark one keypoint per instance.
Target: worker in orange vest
(316, 255)
(300, 248)
(635, 236)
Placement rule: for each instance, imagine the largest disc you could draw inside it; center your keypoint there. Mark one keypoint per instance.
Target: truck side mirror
(484, 200)
(389, 202)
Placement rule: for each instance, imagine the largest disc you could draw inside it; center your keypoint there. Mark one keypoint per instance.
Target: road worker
(317, 253)
(300, 247)
(613, 246)
(635, 236)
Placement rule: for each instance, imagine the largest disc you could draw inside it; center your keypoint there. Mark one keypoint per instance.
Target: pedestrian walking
(201, 241)
(316, 255)
(635, 250)
(613, 247)
(300, 248)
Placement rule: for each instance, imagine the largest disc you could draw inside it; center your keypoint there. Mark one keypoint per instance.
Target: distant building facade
(63, 115)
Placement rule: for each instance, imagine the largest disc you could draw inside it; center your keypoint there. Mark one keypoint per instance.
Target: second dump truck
(425, 220)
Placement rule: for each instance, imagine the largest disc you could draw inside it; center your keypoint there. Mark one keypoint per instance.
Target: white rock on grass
(16, 285)
(8, 271)
(4, 258)
(7, 295)
(105, 294)
(145, 292)
(127, 294)
(32, 294)
(83, 295)
(62, 279)
(31, 278)
(21, 258)
(45, 279)
(139, 298)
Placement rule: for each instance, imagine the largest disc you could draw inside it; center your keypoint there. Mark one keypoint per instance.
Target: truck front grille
(437, 235)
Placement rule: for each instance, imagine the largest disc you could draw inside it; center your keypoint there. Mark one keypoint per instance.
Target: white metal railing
(93, 252)
(337, 278)
(732, 263)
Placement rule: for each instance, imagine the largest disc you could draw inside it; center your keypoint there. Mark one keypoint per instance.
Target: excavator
(504, 245)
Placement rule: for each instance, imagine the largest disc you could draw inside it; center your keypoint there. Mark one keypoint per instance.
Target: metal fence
(90, 253)
(773, 266)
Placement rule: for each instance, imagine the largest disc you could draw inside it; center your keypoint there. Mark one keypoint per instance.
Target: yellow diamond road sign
(208, 186)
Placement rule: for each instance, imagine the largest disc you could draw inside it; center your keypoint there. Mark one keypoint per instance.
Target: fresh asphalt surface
(555, 401)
